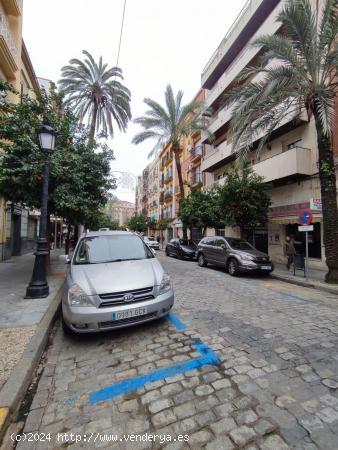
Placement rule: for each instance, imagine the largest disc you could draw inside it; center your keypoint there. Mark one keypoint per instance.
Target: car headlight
(165, 285)
(77, 297)
(247, 258)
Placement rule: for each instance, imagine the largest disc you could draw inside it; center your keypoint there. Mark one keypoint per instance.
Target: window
(220, 242)
(111, 248)
(239, 244)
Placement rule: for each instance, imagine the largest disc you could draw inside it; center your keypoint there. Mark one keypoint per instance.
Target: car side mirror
(223, 246)
(65, 259)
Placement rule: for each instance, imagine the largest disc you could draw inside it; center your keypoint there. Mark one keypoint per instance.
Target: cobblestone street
(275, 386)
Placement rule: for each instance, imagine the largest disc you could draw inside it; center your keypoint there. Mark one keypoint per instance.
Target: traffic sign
(305, 217)
(305, 228)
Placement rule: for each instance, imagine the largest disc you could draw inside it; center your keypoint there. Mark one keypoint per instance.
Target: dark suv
(235, 255)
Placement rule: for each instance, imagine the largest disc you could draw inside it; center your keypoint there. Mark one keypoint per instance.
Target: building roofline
(29, 67)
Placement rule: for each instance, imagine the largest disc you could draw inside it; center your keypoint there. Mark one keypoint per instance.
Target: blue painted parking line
(208, 357)
(295, 298)
(179, 325)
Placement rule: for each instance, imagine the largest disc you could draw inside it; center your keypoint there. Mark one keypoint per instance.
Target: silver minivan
(113, 281)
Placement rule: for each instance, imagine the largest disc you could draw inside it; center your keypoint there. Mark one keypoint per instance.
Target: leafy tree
(93, 91)
(201, 210)
(138, 223)
(79, 177)
(101, 220)
(169, 125)
(244, 199)
(299, 68)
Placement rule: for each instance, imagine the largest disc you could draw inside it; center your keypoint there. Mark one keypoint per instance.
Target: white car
(113, 281)
(151, 242)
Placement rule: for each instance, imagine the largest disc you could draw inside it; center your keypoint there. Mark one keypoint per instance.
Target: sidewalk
(19, 317)
(316, 278)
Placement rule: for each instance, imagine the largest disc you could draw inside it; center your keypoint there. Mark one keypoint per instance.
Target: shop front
(284, 221)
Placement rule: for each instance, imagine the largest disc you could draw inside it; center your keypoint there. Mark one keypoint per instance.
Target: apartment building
(18, 225)
(167, 187)
(120, 211)
(289, 160)
(153, 191)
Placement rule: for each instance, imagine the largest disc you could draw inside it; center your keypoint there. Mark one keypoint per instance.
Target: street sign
(305, 228)
(305, 217)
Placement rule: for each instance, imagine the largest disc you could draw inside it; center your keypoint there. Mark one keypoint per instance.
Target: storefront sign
(316, 204)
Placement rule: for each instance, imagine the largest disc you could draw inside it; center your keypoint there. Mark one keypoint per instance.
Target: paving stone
(242, 435)
(221, 443)
(185, 410)
(211, 376)
(205, 418)
(171, 389)
(199, 437)
(150, 396)
(191, 382)
(203, 389)
(284, 400)
(255, 373)
(273, 442)
(223, 426)
(328, 415)
(263, 426)
(246, 417)
(332, 384)
(128, 406)
(259, 363)
(221, 384)
(163, 418)
(159, 405)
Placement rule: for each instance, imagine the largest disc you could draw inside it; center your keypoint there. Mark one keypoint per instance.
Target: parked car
(182, 248)
(151, 242)
(113, 281)
(235, 255)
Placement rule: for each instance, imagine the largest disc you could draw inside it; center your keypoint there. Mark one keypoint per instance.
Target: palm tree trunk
(327, 176)
(93, 126)
(176, 150)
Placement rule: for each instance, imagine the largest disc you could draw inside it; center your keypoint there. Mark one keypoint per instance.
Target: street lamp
(38, 287)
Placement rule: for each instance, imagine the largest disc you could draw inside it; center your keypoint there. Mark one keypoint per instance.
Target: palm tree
(298, 71)
(169, 125)
(93, 91)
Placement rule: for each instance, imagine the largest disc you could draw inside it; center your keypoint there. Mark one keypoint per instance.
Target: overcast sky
(164, 41)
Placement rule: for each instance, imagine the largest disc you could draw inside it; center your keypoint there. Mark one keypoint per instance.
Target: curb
(14, 390)
(319, 287)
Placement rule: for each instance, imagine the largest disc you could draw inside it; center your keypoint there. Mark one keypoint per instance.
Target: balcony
(196, 178)
(168, 196)
(161, 198)
(292, 163)
(247, 23)
(13, 7)
(168, 177)
(8, 49)
(167, 159)
(216, 157)
(196, 153)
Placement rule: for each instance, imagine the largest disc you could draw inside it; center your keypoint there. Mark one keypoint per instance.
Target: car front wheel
(201, 260)
(233, 267)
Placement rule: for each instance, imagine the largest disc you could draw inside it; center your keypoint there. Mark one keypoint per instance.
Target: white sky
(164, 41)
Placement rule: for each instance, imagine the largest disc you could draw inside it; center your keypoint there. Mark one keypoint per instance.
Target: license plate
(266, 267)
(126, 314)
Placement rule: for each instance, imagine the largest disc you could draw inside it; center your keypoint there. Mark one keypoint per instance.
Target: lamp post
(38, 286)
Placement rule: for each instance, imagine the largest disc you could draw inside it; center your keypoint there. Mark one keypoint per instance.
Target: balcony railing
(290, 163)
(167, 158)
(168, 195)
(196, 178)
(196, 152)
(168, 177)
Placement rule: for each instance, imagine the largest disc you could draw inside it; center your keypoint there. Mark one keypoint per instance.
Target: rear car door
(220, 252)
(211, 251)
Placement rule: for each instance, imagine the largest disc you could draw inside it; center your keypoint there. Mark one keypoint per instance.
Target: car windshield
(110, 248)
(240, 244)
(150, 239)
(187, 243)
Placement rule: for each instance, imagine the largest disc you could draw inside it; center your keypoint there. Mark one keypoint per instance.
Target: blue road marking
(208, 357)
(179, 325)
(295, 298)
